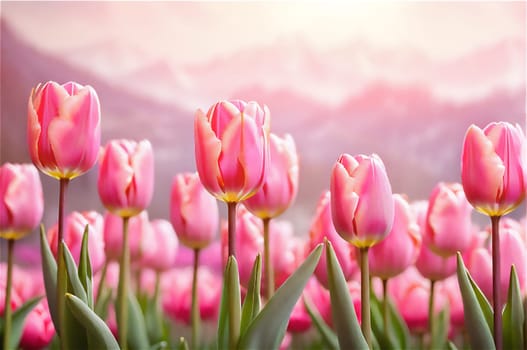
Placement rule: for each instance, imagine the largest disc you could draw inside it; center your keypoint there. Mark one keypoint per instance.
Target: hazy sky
(198, 30)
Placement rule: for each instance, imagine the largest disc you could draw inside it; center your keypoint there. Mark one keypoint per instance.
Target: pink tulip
(281, 182)
(433, 266)
(322, 227)
(492, 168)
(177, 296)
(161, 255)
(193, 211)
(139, 230)
(21, 200)
(480, 264)
(232, 151)
(401, 247)
(361, 199)
(448, 220)
(287, 250)
(64, 129)
(126, 177)
(73, 232)
(210, 257)
(450, 288)
(38, 328)
(411, 293)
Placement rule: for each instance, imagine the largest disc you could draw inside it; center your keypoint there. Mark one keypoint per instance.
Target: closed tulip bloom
(139, 230)
(399, 250)
(161, 255)
(480, 264)
(73, 231)
(448, 220)
(492, 168)
(322, 227)
(64, 129)
(281, 182)
(21, 200)
(193, 211)
(232, 150)
(38, 328)
(361, 200)
(126, 176)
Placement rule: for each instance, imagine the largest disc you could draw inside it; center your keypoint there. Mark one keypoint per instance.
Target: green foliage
(329, 338)
(230, 307)
(252, 303)
(17, 321)
(513, 315)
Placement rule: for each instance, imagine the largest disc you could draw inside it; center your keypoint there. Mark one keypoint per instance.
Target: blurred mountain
(416, 130)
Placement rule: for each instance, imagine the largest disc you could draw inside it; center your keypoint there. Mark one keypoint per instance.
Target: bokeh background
(400, 79)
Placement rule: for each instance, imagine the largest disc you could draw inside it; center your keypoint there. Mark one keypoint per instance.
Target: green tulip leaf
(99, 334)
(268, 328)
(49, 271)
(386, 338)
(103, 302)
(230, 307)
(252, 302)
(344, 318)
(451, 346)
(442, 322)
(85, 269)
(513, 317)
(328, 336)
(183, 345)
(479, 332)
(73, 279)
(483, 303)
(18, 318)
(137, 336)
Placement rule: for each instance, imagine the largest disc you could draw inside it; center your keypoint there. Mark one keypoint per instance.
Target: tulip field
(377, 271)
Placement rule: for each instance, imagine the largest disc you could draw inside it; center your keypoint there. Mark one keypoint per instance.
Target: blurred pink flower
(161, 254)
(126, 176)
(493, 168)
(480, 264)
(448, 225)
(281, 182)
(177, 294)
(361, 199)
(73, 231)
(64, 128)
(193, 211)
(21, 200)
(401, 247)
(322, 227)
(139, 230)
(38, 328)
(450, 288)
(231, 148)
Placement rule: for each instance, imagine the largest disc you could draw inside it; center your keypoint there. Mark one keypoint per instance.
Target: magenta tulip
(361, 199)
(400, 249)
(74, 229)
(492, 168)
(21, 200)
(448, 220)
(64, 129)
(38, 328)
(193, 211)
(126, 176)
(322, 227)
(232, 151)
(281, 182)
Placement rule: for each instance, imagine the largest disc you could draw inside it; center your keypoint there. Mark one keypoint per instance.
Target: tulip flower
(276, 195)
(363, 212)
(64, 129)
(126, 185)
(38, 328)
(161, 255)
(21, 207)
(232, 153)
(448, 220)
(322, 227)
(494, 180)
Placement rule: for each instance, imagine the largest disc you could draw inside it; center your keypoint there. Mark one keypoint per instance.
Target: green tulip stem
(101, 280)
(122, 288)
(431, 311)
(62, 276)
(385, 304)
(195, 302)
(7, 304)
(268, 262)
(496, 297)
(231, 212)
(365, 295)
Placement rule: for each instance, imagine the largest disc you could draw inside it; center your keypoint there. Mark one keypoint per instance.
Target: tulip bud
(126, 177)
(21, 200)
(161, 255)
(64, 129)
(361, 200)
(232, 150)
(492, 168)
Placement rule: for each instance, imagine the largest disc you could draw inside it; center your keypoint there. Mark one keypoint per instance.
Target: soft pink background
(400, 79)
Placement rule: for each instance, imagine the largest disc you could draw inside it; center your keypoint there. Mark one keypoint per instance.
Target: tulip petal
(207, 149)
